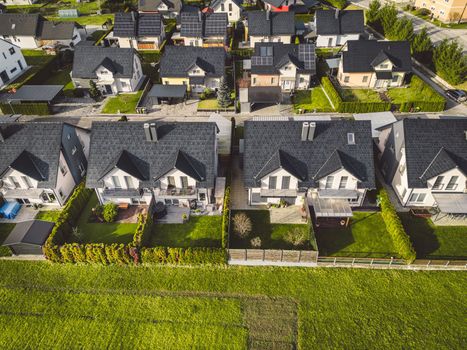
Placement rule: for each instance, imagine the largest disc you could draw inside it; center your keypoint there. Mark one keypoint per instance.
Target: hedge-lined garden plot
(5, 230)
(371, 309)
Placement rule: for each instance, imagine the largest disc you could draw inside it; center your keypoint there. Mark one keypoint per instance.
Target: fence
(272, 257)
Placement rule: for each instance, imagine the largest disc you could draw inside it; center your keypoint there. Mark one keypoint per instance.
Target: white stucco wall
(337, 40)
(286, 39)
(9, 62)
(233, 15)
(24, 42)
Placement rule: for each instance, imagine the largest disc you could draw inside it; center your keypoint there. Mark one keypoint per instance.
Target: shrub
(340, 4)
(143, 230)
(183, 256)
(225, 218)
(256, 242)
(40, 108)
(242, 225)
(423, 12)
(394, 226)
(296, 237)
(77, 234)
(110, 212)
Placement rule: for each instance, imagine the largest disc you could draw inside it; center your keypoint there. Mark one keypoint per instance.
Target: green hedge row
(143, 230)
(225, 218)
(41, 108)
(97, 253)
(184, 256)
(395, 228)
(351, 107)
(422, 106)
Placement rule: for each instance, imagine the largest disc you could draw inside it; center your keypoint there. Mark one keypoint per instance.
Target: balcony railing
(176, 192)
(266, 192)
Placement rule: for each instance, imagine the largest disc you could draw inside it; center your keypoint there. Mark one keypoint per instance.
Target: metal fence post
(429, 263)
(371, 263)
(335, 259)
(447, 263)
(353, 261)
(390, 263)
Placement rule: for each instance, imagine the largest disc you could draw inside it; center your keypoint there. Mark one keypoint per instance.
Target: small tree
(110, 212)
(93, 90)
(388, 17)
(422, 47)
(296, 237)
(223, 94)
(450, 62)
(77, 234)
(372, 15)
(297, 40)
(242, 225)
(256, 242)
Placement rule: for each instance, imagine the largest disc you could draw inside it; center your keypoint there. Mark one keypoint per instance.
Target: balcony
(265, 192)
(176, 192)
(122, 192)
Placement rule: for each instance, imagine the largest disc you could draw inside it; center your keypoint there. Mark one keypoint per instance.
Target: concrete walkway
(392, 195)
(238, 192)
(289, 215)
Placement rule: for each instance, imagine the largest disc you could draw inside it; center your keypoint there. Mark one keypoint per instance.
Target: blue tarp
(9, 210)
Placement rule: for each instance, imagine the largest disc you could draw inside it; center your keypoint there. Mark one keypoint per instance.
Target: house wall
(446, 11)
(264, 80)
(356, 79)
(65, 182)
(136, 43)
(279, 173)
(286, 39)
(75, 39)
(229, 7)
(9, 62)
(18, 2)
(24, 42)
(337, 40)
(192, 41)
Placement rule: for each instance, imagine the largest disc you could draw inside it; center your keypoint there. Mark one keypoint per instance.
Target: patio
(174, 215)
(25, 213)
(288, 215)
(130, 215)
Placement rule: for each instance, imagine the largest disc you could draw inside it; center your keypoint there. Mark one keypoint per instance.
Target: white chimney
(311, 132)
(153, 132)
(147, 132)
(305, 126)
(268, 14)
(336, 14)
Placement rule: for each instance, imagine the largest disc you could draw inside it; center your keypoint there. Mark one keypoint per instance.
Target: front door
(108, 89)
(4, 77)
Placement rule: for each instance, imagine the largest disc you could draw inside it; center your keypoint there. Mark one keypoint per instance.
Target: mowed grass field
(45, 306)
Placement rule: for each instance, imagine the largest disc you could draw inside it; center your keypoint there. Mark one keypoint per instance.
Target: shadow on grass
(421, 233)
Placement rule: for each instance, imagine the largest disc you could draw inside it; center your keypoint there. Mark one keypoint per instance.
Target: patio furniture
(9, 210)
(123, 206)
(421, 213)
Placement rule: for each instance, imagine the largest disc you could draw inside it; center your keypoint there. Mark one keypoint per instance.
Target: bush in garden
(143, 230)
(242, 225)
(183, 256)
(296, 237)
(77, 234)
(256, 242)
(225, 218)
(110, 212)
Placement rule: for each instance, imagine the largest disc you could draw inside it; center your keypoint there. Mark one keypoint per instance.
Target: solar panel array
(216, 24)
(306, 54)
(191, 25)
(261, 60)
(125, 25)
(149, 24)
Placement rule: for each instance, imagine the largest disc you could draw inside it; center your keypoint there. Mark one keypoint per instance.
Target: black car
(457, 95)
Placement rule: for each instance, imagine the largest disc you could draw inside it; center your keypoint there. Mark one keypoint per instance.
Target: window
(20, 65)
(395, 78)
(346, 79)
(184, 180)
(417, 197)
(116, 182)
(26, 181)
(365, 79)
(272, 182)
(343, 183)
(15, 182)
(330, 42)
(171, 181)
(82, 168)
(63, 168)
(285, 182)
(351, 138)
(12, 50)
(124, 85)
(452, 185)
(60, 192)
(202, 197)
(413, 197)
(272, 80)
(222, 7)
(383, 66)
(230, 7)
(13, 70)
(254, 81)
(73, 150)
(402, 168)
(421, 197)
(302, 80)
(438, 185)
(329, 181)
(129, 182)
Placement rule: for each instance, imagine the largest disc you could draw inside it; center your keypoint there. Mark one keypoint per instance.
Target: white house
(168, 8)
(12, 62)
(172, 163)
(270, 27)
(114, 70)
(334, 27)
(326, 164)
(41, 163)
(425, 161)
(231, 7)
(19, 2)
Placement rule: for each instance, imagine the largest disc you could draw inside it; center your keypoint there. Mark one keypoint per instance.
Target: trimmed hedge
(184, 256)
(143, 230)
(99, 253)
(422, 106)
(342, 106)
(395, 228)
(41, 108)
(225, 218)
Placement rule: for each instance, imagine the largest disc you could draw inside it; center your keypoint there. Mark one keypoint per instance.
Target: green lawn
(311, 100)
(438, 23)
(360, 95)
(61, 77)
(199, 231)
(85, 20)
(365, 237)
(48, 215)
(211, 103)
(64, 306)
(5, 230)
(272, 235)
(417, 90)
(103, 232)
(123, 103)
(435, 242)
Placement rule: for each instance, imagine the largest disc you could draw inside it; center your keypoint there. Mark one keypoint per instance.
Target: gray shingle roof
(88, 58)
(215, 3)
(282, 54)
(279, 23)
(189, 147)
(177, 60)
(433, 147)
(20, 24)
(330, 22)
(191, 24)
(265, 139)
(152, 5)
(215, 24)
(361, 54)
(31, 232)
(132, 24)
(57, 30)
(32, 148)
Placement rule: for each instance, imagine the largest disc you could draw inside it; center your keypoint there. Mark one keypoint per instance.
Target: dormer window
(73, 150)
(384, 66)
(351, 138)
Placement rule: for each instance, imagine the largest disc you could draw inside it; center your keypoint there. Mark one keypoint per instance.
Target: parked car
(457, 95)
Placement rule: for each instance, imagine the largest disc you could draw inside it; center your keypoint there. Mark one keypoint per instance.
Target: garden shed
(166, 93)
(36, 93)
(28, 237)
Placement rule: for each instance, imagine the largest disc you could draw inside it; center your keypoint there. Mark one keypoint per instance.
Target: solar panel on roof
(306, 54)
(261, 60)
(216, 24)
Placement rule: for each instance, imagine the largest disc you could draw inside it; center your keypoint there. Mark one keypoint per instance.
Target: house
(286, 65)
(334, 27)
(172, 163)
(31, 31)
(232, 8)
(114, 70)
(143, 31)
(425, 162)
(202, 29)
(374, 64)
(267, 26)
(41, 163)
(167, 8)
(327, 164)
(19, 2)
(28, 237)
(445, 10)
(12, 62)
(278, 5)
(196, 67)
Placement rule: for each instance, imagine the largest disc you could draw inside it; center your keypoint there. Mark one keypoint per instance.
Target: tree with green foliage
(110, 212)
(223, 94)
(402, 29)
(340, 4)
(449, 61)
(387, 17)
(297, 40)
(422, 47)
(372, 14)
(93, 90)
